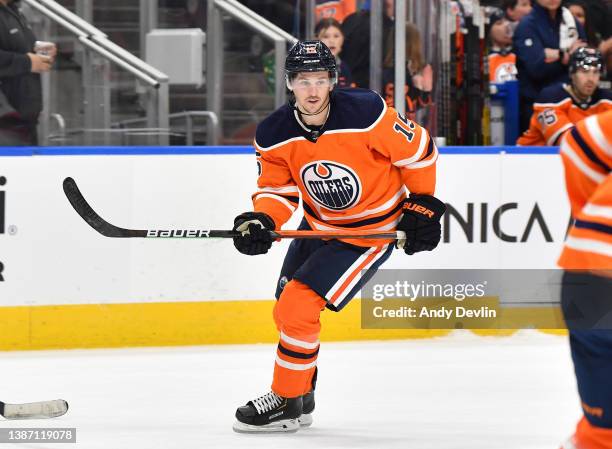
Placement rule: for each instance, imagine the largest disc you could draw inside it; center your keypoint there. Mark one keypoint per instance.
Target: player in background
(350, 158)
(586, 295)
(559, 107)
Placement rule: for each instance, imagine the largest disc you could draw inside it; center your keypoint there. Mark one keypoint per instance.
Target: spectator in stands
(515, 10)
(596, 17)
(543, 42)
(20, 85)
(329, 31)
(561, 106)
(580, 11)
(419, 75)
(502, 60)
(599, 19)
(338, 9)
(356, 50)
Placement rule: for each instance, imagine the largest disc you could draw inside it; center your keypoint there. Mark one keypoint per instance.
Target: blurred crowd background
(193, 72)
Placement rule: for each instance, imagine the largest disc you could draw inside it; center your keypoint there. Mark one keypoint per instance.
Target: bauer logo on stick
(195, 233)
(331, 185)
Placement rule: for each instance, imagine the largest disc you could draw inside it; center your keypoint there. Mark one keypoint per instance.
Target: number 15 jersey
(350, 174)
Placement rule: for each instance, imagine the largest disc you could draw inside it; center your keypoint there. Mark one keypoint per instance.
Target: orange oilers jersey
(338, 9)
(353, 175)
(502, 67)
(556, 111)
(587, 156)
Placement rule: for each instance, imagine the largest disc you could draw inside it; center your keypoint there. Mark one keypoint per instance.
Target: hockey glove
(421, 223)
(255, 228)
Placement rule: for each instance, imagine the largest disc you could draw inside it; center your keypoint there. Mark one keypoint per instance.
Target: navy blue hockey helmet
(584, 58)
(310, 56)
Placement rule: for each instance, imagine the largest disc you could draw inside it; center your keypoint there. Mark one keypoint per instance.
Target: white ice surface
(461, 391)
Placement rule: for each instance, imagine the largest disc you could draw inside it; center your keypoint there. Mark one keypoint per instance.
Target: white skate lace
(267, 402)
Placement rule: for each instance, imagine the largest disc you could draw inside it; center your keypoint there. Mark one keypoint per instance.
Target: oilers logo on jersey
(331, 185)
(506, 72)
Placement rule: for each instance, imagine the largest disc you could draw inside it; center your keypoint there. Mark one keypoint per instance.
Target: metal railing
(97, 101)
(117, 137)
(264, 23)
(214, 48)
(211, 133)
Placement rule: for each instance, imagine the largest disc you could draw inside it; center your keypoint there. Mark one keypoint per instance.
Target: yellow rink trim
(175, 324)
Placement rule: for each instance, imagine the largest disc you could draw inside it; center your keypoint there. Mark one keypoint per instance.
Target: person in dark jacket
(543, 42)
(20, 68)
(356, 49)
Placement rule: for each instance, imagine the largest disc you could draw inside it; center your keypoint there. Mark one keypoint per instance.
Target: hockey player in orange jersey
(586, 295)
(350, 159)
(559, 107)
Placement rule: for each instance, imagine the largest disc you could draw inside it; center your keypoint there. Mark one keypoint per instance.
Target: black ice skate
(269, 413)
(308, 403)
(308, 406)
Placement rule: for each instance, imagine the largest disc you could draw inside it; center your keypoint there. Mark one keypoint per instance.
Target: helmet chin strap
(314, 113)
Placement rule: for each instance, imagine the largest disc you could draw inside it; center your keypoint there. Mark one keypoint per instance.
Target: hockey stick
(34, 410)
(82, 207)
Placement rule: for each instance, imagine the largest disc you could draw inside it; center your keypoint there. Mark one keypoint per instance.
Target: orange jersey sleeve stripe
(596, 213)
(582, 230)
(587, 157)
(599, 140)
(576, 160)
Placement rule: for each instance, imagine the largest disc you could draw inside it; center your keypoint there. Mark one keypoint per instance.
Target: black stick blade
(86, 212)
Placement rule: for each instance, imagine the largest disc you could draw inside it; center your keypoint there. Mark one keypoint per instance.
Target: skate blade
(282, 426)
(305, 420)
